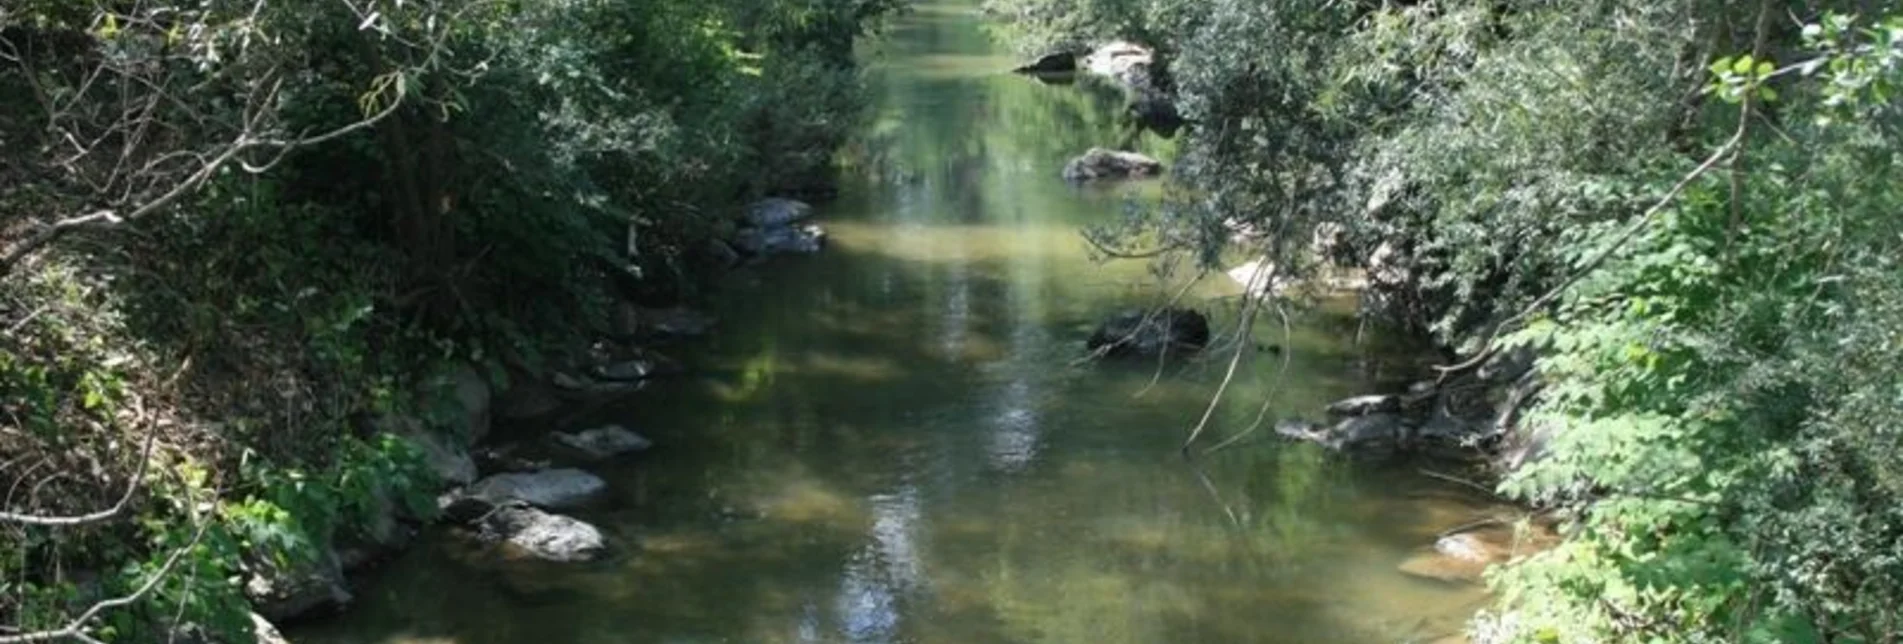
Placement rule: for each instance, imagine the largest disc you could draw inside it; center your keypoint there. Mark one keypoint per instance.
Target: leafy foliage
(1719, 363)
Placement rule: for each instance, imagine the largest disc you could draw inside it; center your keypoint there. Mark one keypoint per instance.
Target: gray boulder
(1102, 163)
(473, 397)
(447, 455)
(281, 593)
(554, 489)
(604, 442)
(551, 537)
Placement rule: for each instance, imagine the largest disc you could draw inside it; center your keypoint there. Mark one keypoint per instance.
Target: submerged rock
(554, 489)
(1102, 163)
(1463, 557)
(604, 442)
(551, 537)
(1150, 333)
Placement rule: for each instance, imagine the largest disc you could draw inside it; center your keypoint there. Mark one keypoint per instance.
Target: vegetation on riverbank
(1687, 208)
(235, 236)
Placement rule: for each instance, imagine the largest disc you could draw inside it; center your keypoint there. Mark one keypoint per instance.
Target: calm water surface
(887, 442)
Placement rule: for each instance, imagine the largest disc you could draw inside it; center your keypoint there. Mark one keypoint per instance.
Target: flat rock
(546, 536)
(604, 442)
(556, 489)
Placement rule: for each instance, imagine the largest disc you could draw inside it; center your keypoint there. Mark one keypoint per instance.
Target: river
(888, 441)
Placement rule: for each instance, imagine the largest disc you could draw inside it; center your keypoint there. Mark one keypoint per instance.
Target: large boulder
(1101, 163)
(473, 397)
(555, 489)
(285, 592)
(1150, 333)
(604, 442)
(552, 537)
(445, 453)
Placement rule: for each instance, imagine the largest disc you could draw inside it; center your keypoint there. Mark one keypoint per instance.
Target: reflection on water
(887, 442)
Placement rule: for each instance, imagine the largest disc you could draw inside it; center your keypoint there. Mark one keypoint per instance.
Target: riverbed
(892, 441)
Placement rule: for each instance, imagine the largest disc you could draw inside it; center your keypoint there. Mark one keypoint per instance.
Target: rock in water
(775, 213)
(1062, 62)
(605, 442)
(551, 537)
(555, 489)
(1370, 431)
(1150, 333)
(781, 240)
(1364, 405)
(1101, 163)
(1119, 60)
(285, 593)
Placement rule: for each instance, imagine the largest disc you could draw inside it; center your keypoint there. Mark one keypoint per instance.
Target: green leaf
(1742, 65)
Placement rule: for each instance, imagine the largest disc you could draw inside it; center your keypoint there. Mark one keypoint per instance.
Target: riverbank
(241, 356)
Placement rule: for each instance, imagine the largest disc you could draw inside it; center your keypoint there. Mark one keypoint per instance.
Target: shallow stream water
(888, 441)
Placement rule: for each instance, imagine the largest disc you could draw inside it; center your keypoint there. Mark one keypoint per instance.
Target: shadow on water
(888, 442)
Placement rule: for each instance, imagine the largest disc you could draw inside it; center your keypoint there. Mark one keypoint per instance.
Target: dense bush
(1688, 207)
(244, 229)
